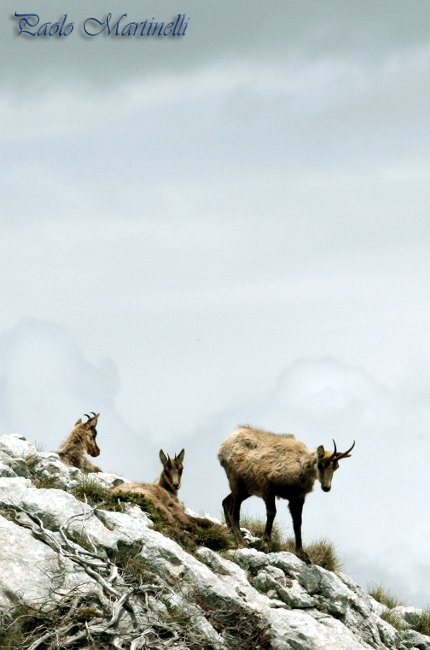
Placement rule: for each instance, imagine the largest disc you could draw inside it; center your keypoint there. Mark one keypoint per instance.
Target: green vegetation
(214, 536)
(90, 491)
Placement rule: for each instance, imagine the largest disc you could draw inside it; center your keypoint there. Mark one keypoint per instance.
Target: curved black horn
(350, 449)
(346, 454)
(95, 414)
(87, 416)
(334, 454)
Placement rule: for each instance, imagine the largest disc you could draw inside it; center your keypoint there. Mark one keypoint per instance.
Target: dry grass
(321, 552)
(393, 619)
(256, 528)
(241, 628)
(422, 622)
(385, 596)
(23, 625)
(132, 566)
(214, 536)
(90, 491)
(46, 482)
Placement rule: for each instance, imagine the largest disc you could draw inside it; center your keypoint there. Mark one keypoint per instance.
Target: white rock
(244, 599)
(16, 446)
(31, 571)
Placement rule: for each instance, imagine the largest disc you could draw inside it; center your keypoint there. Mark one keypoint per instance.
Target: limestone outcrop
(76, 575)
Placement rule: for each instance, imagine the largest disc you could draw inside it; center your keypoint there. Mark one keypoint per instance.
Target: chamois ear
(180, 456)
(320, 452)
(164, 459)
(78, 422)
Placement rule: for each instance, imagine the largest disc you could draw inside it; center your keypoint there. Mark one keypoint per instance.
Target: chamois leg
(88, 466)
(296, 508)
(269, 500)
(226, 504)
(231, 505)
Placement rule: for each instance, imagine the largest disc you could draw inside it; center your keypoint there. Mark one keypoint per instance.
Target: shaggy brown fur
(268, 465)
(164, 492)
(80, 442)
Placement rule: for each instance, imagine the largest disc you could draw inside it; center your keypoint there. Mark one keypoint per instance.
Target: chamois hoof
(302, 555)
(264, 545)
(239, 542)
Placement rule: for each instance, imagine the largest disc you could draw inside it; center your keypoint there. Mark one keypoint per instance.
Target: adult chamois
(164, 492)
(268, 465)
(80, 442)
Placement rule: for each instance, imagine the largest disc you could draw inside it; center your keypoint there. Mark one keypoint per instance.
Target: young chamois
(164, 492)
(269, 465)
(80, 442)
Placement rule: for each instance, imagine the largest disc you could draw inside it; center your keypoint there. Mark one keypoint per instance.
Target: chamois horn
(334, 454)
(345, 454)
(91, 417)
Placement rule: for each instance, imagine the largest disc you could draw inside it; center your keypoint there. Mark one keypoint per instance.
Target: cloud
(374, 514)
(46, 383)
(201, 216)
(331, 88)
(217, 31)
(41, 363)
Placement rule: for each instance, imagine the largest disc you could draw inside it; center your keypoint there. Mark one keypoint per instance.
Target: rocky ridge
(77, 576)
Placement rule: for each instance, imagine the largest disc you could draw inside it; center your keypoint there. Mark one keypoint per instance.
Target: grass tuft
(321, 552)
(256, 528)
(90, 491)
(385, 597)
(419, 622)
(393, 619)
(46, 482)
(132, 566)
(422, 622)
(214, 536)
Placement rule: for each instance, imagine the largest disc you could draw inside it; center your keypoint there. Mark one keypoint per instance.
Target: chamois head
(327, 464)
(170, 477)
(90, 433)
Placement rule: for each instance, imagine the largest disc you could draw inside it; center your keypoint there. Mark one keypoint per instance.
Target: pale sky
(228, 227)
